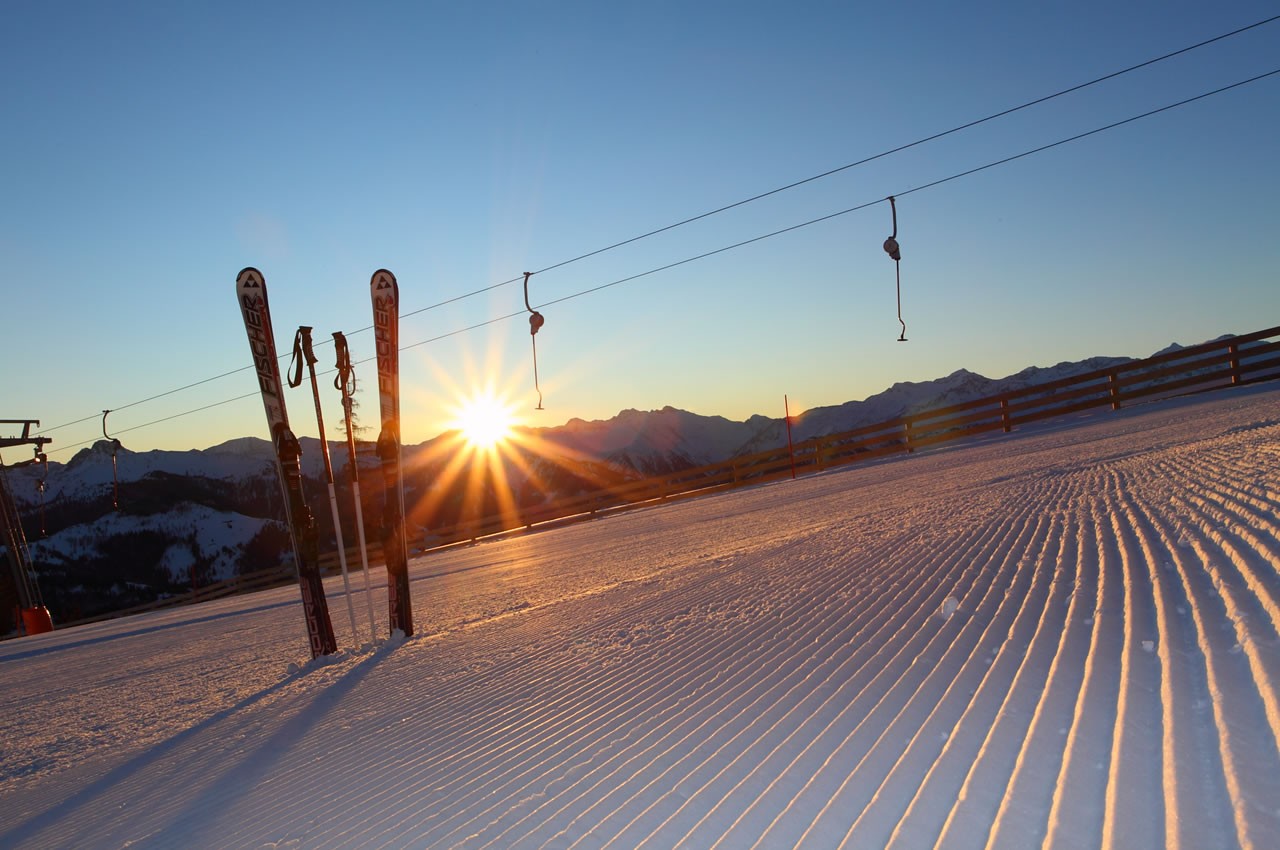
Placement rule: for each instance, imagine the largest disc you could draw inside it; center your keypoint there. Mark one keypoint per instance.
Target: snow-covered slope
(1065, 638)
(213, 540)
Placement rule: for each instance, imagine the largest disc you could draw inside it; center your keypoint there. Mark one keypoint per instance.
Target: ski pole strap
(346, 379)
(300, 341)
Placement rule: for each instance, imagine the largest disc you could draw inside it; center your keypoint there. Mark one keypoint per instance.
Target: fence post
(1234, 350)
(791, 452)
(1004, 415)
(906, 427)
(1113, 388)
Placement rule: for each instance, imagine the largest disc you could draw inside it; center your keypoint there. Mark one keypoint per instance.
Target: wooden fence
(1229, 362)
(246, 583)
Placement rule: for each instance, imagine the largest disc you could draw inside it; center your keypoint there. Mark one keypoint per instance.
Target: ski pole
(346, 383)
(302, 345)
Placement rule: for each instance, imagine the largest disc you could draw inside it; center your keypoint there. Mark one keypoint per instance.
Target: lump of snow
(949, 606)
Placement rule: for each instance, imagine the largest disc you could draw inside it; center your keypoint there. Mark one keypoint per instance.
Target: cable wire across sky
(742, 243)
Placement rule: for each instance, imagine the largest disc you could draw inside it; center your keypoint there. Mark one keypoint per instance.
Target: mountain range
(194, 517)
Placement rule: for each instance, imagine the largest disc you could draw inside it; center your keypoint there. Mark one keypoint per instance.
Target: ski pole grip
(305, 332)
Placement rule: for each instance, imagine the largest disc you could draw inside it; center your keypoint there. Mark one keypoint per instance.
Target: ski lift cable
(155, 397)
(931, 184)
(909, 145)
(847, 166)
(1093, 132)
(753, 198)
(743, 243)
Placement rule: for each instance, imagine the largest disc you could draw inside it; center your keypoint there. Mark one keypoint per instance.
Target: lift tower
(34, 615)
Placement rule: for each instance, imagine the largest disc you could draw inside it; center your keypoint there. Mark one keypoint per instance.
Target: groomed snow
(1065, 637)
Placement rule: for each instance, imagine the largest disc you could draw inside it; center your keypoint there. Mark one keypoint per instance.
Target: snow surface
(772, 667)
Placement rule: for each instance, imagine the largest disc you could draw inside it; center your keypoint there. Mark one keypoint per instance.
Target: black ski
(386, 332)
(251, 290)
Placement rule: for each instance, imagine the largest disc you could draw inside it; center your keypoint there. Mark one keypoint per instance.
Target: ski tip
(249, 276)
(382, 279)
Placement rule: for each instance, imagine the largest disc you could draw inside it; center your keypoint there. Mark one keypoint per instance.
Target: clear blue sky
(152, 150)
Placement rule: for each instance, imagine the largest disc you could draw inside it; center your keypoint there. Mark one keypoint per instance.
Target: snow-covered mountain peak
(100, 451)
(254, 447)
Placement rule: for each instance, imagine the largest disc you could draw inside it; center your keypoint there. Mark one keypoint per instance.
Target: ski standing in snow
(251, 290)
(386, 331)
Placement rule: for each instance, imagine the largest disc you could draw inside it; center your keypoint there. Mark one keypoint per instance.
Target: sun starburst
(484, 420)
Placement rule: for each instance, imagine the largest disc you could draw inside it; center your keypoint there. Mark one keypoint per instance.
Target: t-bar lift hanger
(536, 321)
(891, 248)
(42, 459)
(115, 477)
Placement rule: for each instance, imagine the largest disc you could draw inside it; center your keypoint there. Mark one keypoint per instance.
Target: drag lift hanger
(895, 254)
(536, 321)
(115, 476)
(42, 459)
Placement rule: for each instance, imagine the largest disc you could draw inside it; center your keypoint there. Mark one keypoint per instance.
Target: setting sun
(484, 421)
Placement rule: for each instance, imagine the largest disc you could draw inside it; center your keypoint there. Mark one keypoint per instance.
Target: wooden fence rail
(1223, 363)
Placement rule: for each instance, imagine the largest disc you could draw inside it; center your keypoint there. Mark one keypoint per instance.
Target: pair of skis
(251, 291)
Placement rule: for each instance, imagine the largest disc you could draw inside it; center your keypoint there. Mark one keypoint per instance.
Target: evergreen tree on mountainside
(359, 430)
